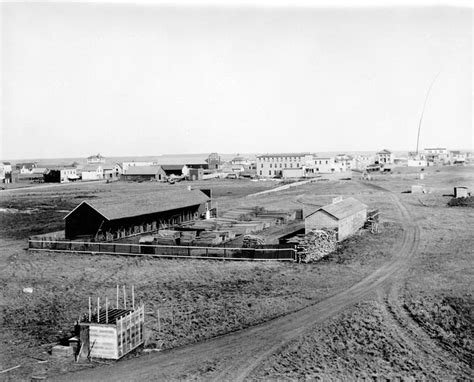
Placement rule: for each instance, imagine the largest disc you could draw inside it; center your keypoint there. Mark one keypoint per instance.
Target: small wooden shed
(347, 216)
(461, 192)
(113, 334)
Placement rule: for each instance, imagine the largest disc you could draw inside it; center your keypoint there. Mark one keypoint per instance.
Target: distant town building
(293, 173)
(95, 159)
(61, 175)
(384, 157)
(214, 161)
(361, 161)
(457, 157)
(272, 165)
(93, 172)
(26, 168)
(144, 173)
(436, 156)
(5, 172)
(112, 171)
(127, 165)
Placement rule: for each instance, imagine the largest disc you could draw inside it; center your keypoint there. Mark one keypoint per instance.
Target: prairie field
(187, 301)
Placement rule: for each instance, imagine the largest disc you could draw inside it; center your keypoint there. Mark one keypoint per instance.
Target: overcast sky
(142, 79)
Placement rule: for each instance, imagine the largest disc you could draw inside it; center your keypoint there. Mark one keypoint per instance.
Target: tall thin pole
(124, 298)
(90, 309)
(98, 309)
(423, 110)
(133, 297)
(117, 296)
(106, 310)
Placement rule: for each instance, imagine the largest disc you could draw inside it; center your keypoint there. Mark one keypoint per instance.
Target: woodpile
(253, 241)
(188, 237)
(208, 238)
(167, 237)
(315, 245)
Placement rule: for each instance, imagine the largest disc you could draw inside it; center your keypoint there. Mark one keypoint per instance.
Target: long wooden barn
(110, 219)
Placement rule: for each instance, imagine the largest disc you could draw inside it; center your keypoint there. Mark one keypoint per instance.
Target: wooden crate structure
(115, 333)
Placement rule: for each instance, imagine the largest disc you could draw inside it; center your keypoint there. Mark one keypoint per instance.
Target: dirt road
(234, 356)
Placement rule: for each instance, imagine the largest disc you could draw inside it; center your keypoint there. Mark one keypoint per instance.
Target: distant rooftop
(283, 155)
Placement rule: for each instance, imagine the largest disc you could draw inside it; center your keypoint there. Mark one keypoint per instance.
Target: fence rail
(165, 251)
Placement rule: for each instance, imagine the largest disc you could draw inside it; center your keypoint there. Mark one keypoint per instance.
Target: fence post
(98, 250)
(189, 251)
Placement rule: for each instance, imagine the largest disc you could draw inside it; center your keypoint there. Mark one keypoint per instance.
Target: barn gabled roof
(144, 204)
(342, 209)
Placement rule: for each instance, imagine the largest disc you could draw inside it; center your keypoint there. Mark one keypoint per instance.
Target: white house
(93, 172)
(112, 171)
(384, 157)
(5, 172)
(457, 157)
(325, 165)
(361, 161)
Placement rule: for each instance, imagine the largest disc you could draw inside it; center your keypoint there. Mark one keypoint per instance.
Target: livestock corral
(187, 300)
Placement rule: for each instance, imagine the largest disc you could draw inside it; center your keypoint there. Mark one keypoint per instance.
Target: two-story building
(384, 157)
(272, 165)
(5, 172)
(436, 155)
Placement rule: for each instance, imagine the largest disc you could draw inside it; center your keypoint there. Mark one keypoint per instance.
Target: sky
(250, 77)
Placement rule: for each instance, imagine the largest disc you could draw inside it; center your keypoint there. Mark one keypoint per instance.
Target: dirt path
(234, 356)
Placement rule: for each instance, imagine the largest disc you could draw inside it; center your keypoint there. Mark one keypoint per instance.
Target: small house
(346, 216)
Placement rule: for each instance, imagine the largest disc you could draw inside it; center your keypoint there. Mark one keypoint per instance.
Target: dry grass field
(202, 299)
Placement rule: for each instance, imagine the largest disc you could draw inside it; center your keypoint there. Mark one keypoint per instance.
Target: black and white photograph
(241, 190)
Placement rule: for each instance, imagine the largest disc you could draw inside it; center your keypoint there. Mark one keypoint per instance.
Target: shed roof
(384, 151)
(343, 209)
(143, 170)
(147, 203)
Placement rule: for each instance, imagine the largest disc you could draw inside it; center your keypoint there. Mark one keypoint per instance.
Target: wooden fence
(166, 251)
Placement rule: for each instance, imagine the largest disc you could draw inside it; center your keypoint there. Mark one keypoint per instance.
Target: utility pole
(423, 111)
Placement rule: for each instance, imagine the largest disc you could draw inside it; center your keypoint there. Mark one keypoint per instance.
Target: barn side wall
(351, 224)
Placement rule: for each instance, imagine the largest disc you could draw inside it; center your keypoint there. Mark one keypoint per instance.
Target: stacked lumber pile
(252, 241)
(188, 237)
(315, 245)
(167, 237)
(146, 240)
(208, 238)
